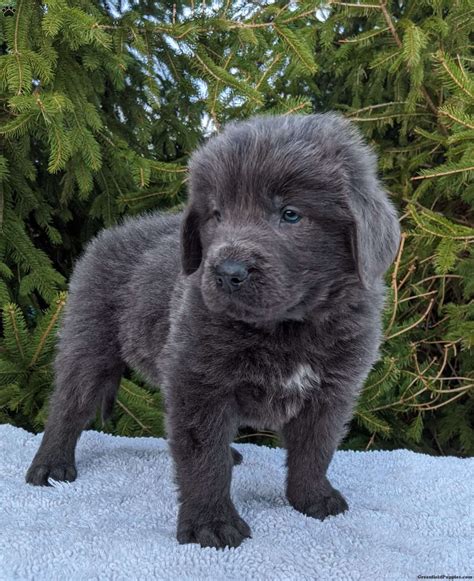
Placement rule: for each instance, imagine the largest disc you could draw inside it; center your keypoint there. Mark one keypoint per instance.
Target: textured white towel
(410, 514)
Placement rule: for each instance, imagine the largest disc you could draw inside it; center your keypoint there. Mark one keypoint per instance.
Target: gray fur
(289, 350)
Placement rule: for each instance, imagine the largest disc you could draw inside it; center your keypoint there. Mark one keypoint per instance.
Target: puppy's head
(282, 211)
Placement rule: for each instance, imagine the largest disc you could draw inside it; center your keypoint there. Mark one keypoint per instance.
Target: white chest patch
(303, 380)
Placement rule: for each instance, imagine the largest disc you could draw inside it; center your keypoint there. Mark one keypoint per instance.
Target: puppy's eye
(217, 215)
(290, 216)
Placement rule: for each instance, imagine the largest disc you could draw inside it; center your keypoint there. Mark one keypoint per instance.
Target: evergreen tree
(102, 103)
(401, 70)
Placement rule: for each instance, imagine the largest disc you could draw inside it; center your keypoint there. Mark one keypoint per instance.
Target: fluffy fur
(289, 349)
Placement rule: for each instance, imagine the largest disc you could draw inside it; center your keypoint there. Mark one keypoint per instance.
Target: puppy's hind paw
(38, 474)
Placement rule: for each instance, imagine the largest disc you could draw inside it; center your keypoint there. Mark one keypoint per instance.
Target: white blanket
(410, 515)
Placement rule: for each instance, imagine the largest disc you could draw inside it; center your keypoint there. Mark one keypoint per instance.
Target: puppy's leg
(311, 439)
(199, 436)
(84, 381)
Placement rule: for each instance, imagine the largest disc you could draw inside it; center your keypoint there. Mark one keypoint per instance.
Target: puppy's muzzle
(231, 275)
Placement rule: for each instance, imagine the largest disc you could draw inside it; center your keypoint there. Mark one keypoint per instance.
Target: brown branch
(54, 318)
(445, 173)
(463, 388)
(439, 276)
(384, 117)
(353, 5)
(412, 298)
(410, 271)
(402, 331)
(297, 16)
(394, 281)
(371, 441)
(297, 108)
(460, 121)
(453, 78)
(369, 108)
(132, 415)
(428, 407)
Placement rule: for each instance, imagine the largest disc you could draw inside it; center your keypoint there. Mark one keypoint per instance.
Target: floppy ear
(375, 232)
(191, 247)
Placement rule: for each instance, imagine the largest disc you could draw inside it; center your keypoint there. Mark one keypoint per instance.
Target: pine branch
(389, 21)
(302, 52)
(457, 76)
(450, 169)
(52, 323)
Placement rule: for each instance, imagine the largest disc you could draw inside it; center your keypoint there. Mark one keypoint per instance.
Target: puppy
(259, 306)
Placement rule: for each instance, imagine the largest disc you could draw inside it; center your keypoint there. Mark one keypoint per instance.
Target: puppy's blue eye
(290, 216)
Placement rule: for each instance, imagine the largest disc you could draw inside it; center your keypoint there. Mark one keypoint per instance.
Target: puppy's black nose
(231, 275)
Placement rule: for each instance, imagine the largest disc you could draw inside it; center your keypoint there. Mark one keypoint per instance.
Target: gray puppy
(260, 306)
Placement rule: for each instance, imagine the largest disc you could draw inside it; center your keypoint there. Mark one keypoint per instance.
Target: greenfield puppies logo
(7, 8)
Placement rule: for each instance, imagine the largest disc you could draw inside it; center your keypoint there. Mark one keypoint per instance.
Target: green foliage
(404, 75)
(25, 370)
(103, 102)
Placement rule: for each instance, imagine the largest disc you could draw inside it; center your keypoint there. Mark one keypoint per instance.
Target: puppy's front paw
(214, 530)
(38, 473)
(329, 503)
